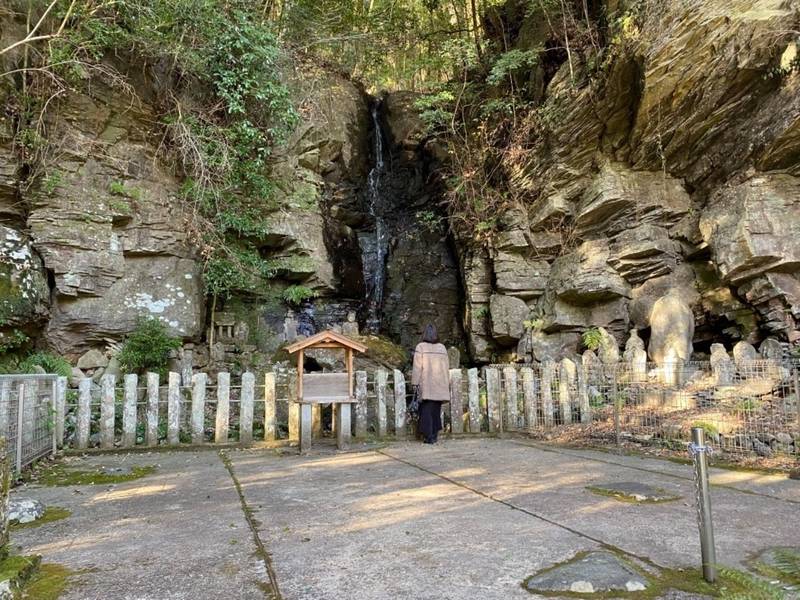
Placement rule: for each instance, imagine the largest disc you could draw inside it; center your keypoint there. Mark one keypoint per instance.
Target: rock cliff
(673, 165)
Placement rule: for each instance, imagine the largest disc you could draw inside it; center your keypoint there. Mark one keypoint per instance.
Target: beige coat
(431, 371)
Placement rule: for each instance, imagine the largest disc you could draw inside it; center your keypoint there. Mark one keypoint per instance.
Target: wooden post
(152, 409)
(294, 407)
(199, 408)
(84, 412)
(129, 411)
(511, 398)
(381, 378)
(548, 372)
(528, 397)
(361, 404)
(493, 400)
(246, 408)
(343, 425)
(456, 406)
(223, 408)
(316, 419)
(270, 426)
(61, 411)
(173, 409)
(107, 411)
(305, 427)
(399, 404)
(474, 399)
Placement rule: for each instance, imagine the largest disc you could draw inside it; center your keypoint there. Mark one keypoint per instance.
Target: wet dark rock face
(422, 274)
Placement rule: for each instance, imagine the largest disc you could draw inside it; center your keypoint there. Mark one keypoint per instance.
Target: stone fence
(751, 408)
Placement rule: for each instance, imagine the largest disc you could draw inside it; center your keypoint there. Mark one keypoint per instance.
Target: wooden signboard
(335, 389)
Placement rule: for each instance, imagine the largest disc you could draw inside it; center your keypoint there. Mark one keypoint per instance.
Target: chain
(695, 449)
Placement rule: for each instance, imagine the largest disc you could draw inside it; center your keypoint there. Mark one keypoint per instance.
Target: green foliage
(711, 430)
(429, 220)
(117, 188)
(148, 347)
(51, 363)
(51, 182)
(436, 110)
(297, 294)
(222, 140)
(533, 324)
(591, 338)
(11, 340)
(508, 63)
(738, 585)
(785, 566)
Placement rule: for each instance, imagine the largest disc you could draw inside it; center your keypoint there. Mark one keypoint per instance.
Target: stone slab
(595, 572)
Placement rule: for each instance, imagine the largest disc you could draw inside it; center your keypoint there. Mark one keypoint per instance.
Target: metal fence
(749, 407)
(27, 417)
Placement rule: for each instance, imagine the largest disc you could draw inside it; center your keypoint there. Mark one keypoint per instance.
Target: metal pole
(699, 450)
(20, 425)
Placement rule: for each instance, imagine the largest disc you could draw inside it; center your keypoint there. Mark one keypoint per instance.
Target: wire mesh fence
(749, 407)
(27, 417)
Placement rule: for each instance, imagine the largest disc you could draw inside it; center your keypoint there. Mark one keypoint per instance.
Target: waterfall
(375, 243)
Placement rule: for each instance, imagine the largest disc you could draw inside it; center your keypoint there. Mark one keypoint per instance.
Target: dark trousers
(430, 419)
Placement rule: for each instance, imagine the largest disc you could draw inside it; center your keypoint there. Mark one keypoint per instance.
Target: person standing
(431, 373)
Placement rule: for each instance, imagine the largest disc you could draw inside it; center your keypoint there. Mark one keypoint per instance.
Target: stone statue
(290, 326)
(671, 329)
(743, 353)
(608, 351)
(350, 327)
(721, 365)
(636, 356)
(771, 349)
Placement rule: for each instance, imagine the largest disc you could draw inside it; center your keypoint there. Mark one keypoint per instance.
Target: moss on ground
(783, 565)
(51, 513)
(18, 568)
(731, 584)
(48, 583)
(630, 498)
(63, 475)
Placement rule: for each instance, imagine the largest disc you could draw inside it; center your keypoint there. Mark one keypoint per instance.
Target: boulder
(620, 198)
(753, 230)
(643, 253)
(671, 329)
(93, 359)
(75, 377)
(754, 227)
(24, 294)
(508, 315)
(552, 346)
(584, 277)
(24, 510)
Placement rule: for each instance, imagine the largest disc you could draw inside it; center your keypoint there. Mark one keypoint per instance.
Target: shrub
(51, 363)
(148, 347)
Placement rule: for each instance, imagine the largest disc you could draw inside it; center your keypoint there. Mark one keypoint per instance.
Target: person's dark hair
(430, 334)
